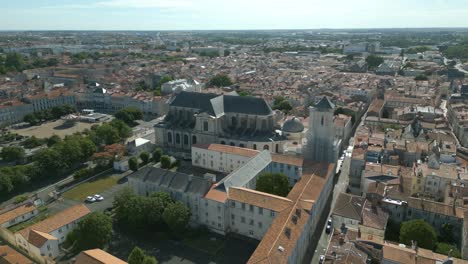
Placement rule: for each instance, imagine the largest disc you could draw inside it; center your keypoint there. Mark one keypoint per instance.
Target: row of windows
(251, 208)
(243, 220)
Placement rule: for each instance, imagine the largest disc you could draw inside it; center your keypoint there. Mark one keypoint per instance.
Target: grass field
(92, 187)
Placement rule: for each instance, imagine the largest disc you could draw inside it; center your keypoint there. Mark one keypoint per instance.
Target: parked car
(328, 229)
(329, 222)
(90, 199)
(322, 259)
(98, 197)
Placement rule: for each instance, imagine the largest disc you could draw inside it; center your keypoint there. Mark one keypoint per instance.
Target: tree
(150, 260)
(123, 129)
(52, 62)
(144, 156)
(129, 115)
(49, 162)
(32, 142)
(164, 197)
(227, 52)
(273, 183)
(444, 248)
(283, 106)
(133, 164)
(105, 134)
(163, 80)
(165, 162)
(176, 216)
(157, 154)
(220, 80)
(6, 185)
(137, 256)
(94, 231)
(12, 153)
(419, 231)
(374, 61)
(31, 119)
(14, 61)
(53, 140)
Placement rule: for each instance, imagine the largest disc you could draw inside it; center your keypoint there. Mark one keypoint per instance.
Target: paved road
(340, 186)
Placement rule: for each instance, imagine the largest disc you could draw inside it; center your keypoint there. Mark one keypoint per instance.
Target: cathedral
(198, 118)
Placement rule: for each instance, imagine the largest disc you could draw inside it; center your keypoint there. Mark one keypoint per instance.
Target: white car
(90, 199)
(322, 259)
(98, 197)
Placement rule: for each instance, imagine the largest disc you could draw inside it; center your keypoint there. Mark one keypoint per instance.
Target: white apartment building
(43, 238)
(224, 158)
(17, 215)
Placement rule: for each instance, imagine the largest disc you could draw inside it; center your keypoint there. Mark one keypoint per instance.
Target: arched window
(177, 138)
(266, 147)
(232, 144)
(322, 121)
(205, 126)
(169, 137)
(277, 148)
(194, 140)
(222, 142)
(255, 146)
(185, 139)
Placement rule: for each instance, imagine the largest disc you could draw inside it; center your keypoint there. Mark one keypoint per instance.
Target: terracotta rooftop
(18, 211)
(216, 195)
(38, 238)
(97, 256)
(228, 149)
(259, 199)
(11, 256)
(58, 220)
(245, 152)
(276, 246)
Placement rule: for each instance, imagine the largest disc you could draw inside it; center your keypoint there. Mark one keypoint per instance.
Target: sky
(229, 14)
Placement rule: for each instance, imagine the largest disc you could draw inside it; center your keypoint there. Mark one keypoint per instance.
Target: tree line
(55, 112)
(61, 156)
(15, 62)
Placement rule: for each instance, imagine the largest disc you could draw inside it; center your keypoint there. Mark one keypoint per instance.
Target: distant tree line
(48, 114)
(16, 62)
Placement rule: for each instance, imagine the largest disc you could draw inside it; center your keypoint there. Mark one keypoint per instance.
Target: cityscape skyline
(210, 15)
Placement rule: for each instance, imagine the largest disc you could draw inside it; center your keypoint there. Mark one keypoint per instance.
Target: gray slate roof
(325, 103)
(243, 175)
(216, 105)
(293, 125)
(176, 181)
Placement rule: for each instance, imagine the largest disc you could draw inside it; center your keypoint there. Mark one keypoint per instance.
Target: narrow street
(340, 186)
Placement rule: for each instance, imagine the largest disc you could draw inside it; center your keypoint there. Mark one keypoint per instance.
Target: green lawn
(99, 185)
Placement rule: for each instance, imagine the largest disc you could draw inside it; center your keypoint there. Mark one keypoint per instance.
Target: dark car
(328, 229)
(322, 259)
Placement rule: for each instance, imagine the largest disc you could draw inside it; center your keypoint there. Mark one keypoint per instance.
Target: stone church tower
(322, 146)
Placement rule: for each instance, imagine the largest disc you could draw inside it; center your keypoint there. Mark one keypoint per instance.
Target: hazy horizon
(185, 15)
